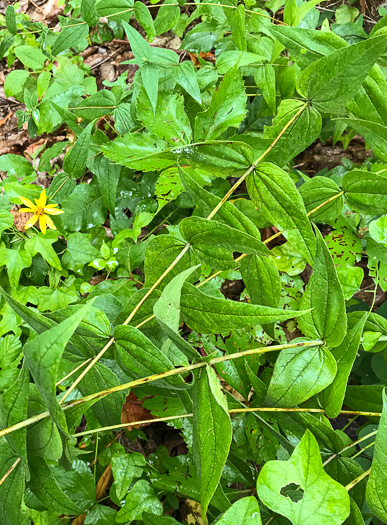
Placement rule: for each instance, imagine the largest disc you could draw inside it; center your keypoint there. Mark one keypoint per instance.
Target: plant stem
(9, 471)
(357, 480)
(352, 444)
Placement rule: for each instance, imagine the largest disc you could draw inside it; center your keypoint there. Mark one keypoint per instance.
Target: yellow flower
(40, 211)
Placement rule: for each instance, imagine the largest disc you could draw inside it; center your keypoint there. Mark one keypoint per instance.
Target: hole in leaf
(293, 492)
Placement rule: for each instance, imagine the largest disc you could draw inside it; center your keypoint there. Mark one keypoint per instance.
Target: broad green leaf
(290, 12)
(374, 133)
(14, 83)
(227, 108)
(228, 59)
(10, 20)
(144, 17)
(262, 280)
(11, 490)
(108, 174)
(186, 78)
(150, 80)
(298, 136)
(167, 16)
(79, 251)
(6, 220)
(265, 80)
(167, 313)
(45, 487)
(344, 470)
(31, 57)
(43, 244)
(170, 121)
(245, 511)
(141, 498)
(366, 192)
(116, 10)
(152, 519)
(317, 191)
(160, 254)
(84, 208)
(378, 230)
(307, 45)
(299, 374)
(275, 195)
(319, 501)
(123, 121)
(50, 299)
(89, 12)
(13, 409)
(323, 293)
(377, 483)
(227, 213)
(96, 106)
(16, 164)
(214, 242)
(212, 433)
(125, 468)
(332, 397)
(43, 356)
(370, 102)
(70, 36)
(364, 397)
(333, 80)
(139, 357)
(210, 315)
(75, 161)
(15, 260)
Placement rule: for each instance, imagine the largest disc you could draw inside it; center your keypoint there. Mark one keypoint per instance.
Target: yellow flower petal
(41, 202)
(49, 222)
(31, 222)
(27, 202)
(52, 211)
(26, 210)
(42, 224)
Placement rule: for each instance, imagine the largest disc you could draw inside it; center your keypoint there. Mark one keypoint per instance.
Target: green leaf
(161, 251)
(317, 191)
(13, 409)
(6, 220)
(43, 244)
(70, 36)
(139, 357)
(275, 195)
(227, 108)
(43, 355)
(75, 161)
(227, 213)
(374, 133)
(265, 80)
(45, 487)
(245, 511)
(108, 175)
(56, 298)
(16, 164)
(320, 500)
(333, 80)
(301, 134)
(30, 57)
(89, 12)
(15, 260)
(212, 433)
(14, 83)
(11, 491)
(142, 14)
(141, 498)
(228, 59)
(83, 209)
(323, 293)
(210, 315)
(307, 45)
(10, 20)
(185, 76)
(167, 16)
(332, 397)
(125, 468)
(377, 483)
(96, 106)
(152, 519)
(79, 251)
(299, 374)
(366, 192)
(116, 10)
(262, 280)
(214, 242)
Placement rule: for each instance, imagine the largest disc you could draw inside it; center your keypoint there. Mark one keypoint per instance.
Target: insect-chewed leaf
(301, 490)
(324, 295)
